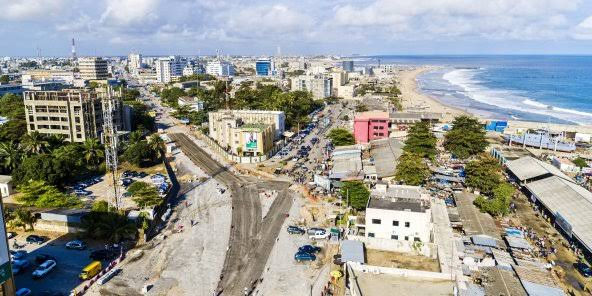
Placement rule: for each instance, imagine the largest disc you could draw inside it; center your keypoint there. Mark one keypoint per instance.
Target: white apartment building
(168, 69)
(134, 62)
(400, 213)
(93, 68)
(188, 70)
(320, 86)
(275, 118)
(220, 68)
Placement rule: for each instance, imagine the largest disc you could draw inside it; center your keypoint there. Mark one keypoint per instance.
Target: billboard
(251, 140)
(5, 269)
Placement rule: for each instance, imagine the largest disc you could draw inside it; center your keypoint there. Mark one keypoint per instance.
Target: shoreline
(414, 100)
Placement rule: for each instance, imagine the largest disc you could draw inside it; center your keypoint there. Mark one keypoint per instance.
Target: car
(309, 249)
(101, 255)
(44, 257)
(295, 230)
(583, 268)
(302, 256)
(81, 192)
(23, 292)
(35, 239)
(142, 175)
(18, 255)
(43, 269)
(19, 266)
(312, 230)
(319, 235)
(76, 245)
(10, 234)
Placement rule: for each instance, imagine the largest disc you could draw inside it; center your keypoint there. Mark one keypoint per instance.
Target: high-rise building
(220, 68)
(348, 66)
(168, 68)
(134, 62)
(77, 114)
(264, 67)
(93, 68)
(321, 87)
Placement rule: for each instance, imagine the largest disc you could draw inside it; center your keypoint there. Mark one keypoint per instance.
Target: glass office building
(263, 67)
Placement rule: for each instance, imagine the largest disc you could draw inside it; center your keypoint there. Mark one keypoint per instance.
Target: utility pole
(110, 105)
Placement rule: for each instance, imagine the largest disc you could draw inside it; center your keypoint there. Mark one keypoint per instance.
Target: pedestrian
(191, 222)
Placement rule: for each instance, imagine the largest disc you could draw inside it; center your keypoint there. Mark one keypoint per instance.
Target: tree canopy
(357, 194)
(499, 203)
(466, 138)
(412, 169)
(421, 140)
(341, 137)
(483, 174)
(144, 194)
(43, 195)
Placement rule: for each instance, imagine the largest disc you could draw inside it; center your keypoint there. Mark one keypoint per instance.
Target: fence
(425, 249)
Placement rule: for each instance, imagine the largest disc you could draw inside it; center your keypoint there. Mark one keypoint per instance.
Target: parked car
(82, 192)
(76, 245)
(295, 230)
(44, 257)
(43, 269)
(35, 239)
(302, 256)
(18, 255)
(312, 230)
(19, 266)
(583, 268)
(309, 249)
(319, 235)
(23, 292)
(101, 255)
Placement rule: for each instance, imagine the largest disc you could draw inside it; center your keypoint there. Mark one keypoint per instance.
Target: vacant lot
(401, 260)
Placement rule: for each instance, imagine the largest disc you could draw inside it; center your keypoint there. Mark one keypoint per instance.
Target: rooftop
(352, 251)
(254, 126)
(401, 191)
(371, 115)
(377, 284)
(397, 204)
(528, 167)
(385, 153)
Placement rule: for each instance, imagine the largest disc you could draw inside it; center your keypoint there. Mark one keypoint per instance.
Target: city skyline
(373, 27)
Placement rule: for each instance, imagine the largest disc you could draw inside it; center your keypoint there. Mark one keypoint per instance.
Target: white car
(319, 234)
(44, 269)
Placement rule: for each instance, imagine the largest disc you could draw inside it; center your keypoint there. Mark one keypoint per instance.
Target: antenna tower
(73, 50)
(110, 105)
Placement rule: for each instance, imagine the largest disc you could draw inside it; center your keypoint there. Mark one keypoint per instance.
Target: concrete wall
(53, 226)
(391, 245)
(420, 274)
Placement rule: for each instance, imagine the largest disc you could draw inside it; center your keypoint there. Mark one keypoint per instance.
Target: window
(370, 234)
(395, 223)
(406, 238)
(396, 237)
(376, 221)
(407, 224)
(416, 239)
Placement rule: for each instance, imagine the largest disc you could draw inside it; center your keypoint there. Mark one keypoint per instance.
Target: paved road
(251, 237)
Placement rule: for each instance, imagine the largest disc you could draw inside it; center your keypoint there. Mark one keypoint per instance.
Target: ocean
(556, 89)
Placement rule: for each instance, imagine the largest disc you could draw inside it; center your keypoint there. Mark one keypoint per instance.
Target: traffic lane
(64, 277)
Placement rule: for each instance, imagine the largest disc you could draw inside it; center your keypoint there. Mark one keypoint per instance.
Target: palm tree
(135, 137)
(93, 151)
(35, 143)
(157, 145)
(56, 141)
(10, 154)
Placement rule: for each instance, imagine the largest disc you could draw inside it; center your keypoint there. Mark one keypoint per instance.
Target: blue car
(302, 256)
(309, 249)
(583, 268)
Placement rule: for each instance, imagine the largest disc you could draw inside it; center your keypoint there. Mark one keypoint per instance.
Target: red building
(370, 126)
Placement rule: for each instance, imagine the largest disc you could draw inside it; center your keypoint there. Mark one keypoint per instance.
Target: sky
(307, 27)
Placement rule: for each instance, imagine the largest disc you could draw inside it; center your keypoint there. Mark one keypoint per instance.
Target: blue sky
(257, 27)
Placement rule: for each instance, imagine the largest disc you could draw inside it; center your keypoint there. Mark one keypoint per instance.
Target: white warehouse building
(400, 213)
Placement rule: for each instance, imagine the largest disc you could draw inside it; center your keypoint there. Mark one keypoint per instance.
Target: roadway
(251, 236)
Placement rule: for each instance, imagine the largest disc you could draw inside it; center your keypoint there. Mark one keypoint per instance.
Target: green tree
(499, 204)
(101, 206)
(484, 174)
(341, 137)
(356, 193)
(361, 108)
(111, 226)
(25, 218)
(138, 154)
(421, 140)
(579, 162)
(412, 169)
(43, 167)
(157, 145)
(35, 143)
(144, 194)
(42, 195)
(11, 155)
(4, 79)
(466, 138)
(94, 152)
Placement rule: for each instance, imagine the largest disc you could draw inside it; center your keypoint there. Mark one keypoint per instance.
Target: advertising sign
(251, 141)
(5, 270)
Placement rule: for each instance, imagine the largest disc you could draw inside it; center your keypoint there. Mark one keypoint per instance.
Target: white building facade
(168, 69)
(220, 68)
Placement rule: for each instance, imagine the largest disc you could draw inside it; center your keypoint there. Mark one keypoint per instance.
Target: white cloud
(27, 10)
(130, 12)
(583, 30)
(277, 21)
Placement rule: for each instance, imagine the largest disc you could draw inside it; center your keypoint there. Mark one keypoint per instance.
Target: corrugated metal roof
(484, 240)
(352, 251)
(538, 282)
(528, 167)
(568, 201)
(518, 242)
(534, 289)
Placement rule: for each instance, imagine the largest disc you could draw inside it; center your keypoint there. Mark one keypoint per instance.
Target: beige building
(77, 114)
(219, 119)
(93, 68)
(252, 139)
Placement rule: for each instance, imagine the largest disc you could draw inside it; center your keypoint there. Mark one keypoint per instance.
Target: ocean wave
(465, 80)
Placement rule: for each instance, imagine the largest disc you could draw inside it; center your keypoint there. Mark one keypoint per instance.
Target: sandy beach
(414, 100)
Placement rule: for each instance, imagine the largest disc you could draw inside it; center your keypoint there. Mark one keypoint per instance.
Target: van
(91, 270)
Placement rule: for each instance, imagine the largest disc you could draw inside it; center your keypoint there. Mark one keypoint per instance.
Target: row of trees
(141, 151)
(420, 147)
